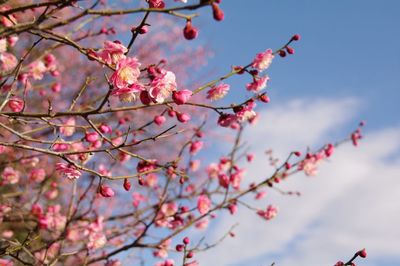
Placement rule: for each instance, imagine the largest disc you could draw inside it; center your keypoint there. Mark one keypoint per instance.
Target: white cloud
(354, 202)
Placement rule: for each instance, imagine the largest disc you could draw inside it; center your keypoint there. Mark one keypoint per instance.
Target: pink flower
(126, 74)
(258, 84)
(195, 147)
(96, 237)
(127, 94)
(3, 45)
(223, 180)
(37, 70)
(53, 219)
(202, 224)
(5, 262)
(113, 263)
(68, 171)
(269, 213)
(226, 120)
(7, 62)
(162, 86)
(137, 199)
(182, 96)
(37, 175)
(112, 52)
(68, 129)
(203, 204)
(16, 104)
(106, 191)
(10, 176)
(263, 60)
(218, 92)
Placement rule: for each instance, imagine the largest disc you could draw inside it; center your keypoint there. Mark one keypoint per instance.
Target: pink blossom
(258, 84)
(7, 234)
(113, 263)
(68, 129)
(7, 62)
(269, 213)
(218, 92)
(5, 262)
(263, 60)
(68, 171)
(53, 219)
(37, 70)
(182, 96)
(195, 147)
(162, 86)
(96, 237)
(226, 120)
(3, 45)
(203, 204)
(202, 224)
(112, 52)
(16, 104)
(137, 199)
(10, 176)
(37, 175)
(12, 40)
(223, 180)
(127, 94)
(126, 74)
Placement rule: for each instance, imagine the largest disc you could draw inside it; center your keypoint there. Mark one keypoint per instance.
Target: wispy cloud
(352, 203)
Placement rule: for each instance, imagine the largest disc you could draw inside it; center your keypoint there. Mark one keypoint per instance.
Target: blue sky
(348, 48)
(346, 68)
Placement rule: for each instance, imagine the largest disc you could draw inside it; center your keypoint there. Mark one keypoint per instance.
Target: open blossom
(37, 70)
(96, 236)
(162, 86)
(310, 164)
(126, 74)
(53, 219)
(37, 175)
(218, 92)
(263, 60)
(258, 84)
(7, 62)
(3, 45)
(203, 204)
(10, 176)
(127, 94)
(269, 213)
(68, 171)
(112, 52)
(68, 129)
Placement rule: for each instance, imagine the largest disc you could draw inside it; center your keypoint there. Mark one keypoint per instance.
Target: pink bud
(290, 50)
(106, 191)
(105, 129)
(297, 153)
(249, 157)
(16, 104)
(264, 98)
(127, 184)
(218, 14)
(56, 87)
(282, 53)
(159, 120)
(179, 247)
(143, 30)
(91, 137)
(189, 32)
(195, 147)
(362, 253)
(183, 117)
(145, 98)
(296, 37)
(190, 255)
(182, 96)
(186, 241)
